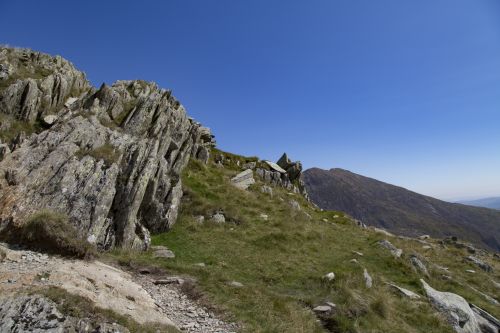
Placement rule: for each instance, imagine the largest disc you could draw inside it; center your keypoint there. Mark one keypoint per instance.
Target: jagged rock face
(34, 84)
(111, 162)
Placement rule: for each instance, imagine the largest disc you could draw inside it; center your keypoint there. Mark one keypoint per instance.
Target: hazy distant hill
(493, 202)
(399, 210)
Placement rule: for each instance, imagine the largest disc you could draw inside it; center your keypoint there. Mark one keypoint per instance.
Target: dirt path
(109, 288)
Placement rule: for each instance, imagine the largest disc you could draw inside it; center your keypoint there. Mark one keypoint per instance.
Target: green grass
(10, 127)
(281, 263)
(50, 232)
(107, 152)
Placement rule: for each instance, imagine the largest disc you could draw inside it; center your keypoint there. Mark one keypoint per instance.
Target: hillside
(119, 214)
(493, 203)
(399, 210)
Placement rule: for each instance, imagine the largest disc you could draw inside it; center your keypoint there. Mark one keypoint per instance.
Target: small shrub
(380, 307)
(50, 232)
(190, 289)
(106, 152)
(10, 127)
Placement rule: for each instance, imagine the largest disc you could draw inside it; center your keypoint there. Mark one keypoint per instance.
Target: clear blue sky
(404, 91)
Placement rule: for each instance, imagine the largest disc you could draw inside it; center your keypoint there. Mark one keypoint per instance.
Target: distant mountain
(493, 202)
(400, 210)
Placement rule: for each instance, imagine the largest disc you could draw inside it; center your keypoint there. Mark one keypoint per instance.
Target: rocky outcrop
(481, 264)
(34, 84)
(111, 162)
(36, 313)
(284, 173)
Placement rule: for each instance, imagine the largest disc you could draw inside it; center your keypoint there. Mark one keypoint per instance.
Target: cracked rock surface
(110, 160)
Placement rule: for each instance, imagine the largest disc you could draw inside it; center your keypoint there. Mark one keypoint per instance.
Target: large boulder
(243, 180)
(454, 308)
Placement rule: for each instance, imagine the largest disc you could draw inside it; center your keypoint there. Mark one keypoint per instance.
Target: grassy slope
(281, 263)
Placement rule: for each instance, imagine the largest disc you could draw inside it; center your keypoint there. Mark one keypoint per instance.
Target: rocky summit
(108, 158)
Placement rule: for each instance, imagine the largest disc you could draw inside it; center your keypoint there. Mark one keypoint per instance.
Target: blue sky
(407, 92)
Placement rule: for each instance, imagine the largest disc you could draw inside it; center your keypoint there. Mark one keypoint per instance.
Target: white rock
(49, 120)
(91, 239)
(330, 276)
(243, 180)
(236, 284)
(405, 292)
(275, 167)
(70, 101)
(218, 218)
(368, 279)
(322, 308)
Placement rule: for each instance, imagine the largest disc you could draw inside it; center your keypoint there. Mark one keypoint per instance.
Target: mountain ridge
(489, 202)
(400, 210)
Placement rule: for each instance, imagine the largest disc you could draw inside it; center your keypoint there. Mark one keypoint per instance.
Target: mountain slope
(399, 210)
(493, 202)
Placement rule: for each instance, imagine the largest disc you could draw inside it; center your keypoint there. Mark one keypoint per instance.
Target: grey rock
(243, 180)
(295, 205)
(37, 314)
(405, 292)
(218, 218)
(388, 245)
(418, 265)
(293, 169)
(481, 264)
(49, 120)
(166, 254)
(368, 279)
(322, 308)
(203, 154)
(249, 165)
(37, 83)
(169, 280)
(235, 284)
(455, 309)
(275, 167)
(267, 190)
(4, 150)
(487, 322)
